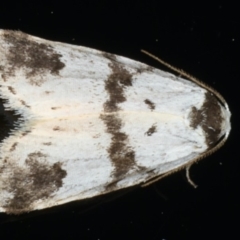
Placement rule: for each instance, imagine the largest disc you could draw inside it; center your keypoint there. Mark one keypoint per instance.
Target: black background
(201, 38)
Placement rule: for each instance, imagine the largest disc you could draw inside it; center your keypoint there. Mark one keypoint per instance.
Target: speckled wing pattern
(81, 122)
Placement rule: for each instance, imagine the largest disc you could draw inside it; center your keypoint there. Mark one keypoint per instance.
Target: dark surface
(204, 40)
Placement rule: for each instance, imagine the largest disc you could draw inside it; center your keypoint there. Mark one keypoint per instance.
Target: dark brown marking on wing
(115, 85)
(120, 151)
(151, 130)
(33, 56)
(55, 108)
(26, 133)
(209, 118)
(13, 147)
(150, 104)
(24, 103)
(12, 90)
(38, 180)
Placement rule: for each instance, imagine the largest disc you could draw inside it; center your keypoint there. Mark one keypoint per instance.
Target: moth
(78, 122)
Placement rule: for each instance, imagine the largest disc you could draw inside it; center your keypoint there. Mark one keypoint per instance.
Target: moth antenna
(188, 176)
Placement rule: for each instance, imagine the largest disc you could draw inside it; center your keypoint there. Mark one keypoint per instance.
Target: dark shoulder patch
(35, 57)
(38, 180)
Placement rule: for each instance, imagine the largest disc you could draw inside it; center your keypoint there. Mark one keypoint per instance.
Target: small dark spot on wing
(57, 128)
(55, 108)
(150, 104)
(13, 147)
(26, 133)
(12, 90)
(24, 103)
(151, 130)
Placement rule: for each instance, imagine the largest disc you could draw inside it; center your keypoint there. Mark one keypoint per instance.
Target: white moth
(80, 122)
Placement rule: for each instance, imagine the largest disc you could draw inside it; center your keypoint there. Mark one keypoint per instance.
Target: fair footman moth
(80, 122)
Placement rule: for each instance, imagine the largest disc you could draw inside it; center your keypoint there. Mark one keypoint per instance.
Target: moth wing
(88, 122)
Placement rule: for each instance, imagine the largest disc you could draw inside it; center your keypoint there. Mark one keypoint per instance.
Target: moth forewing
(85, 122)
